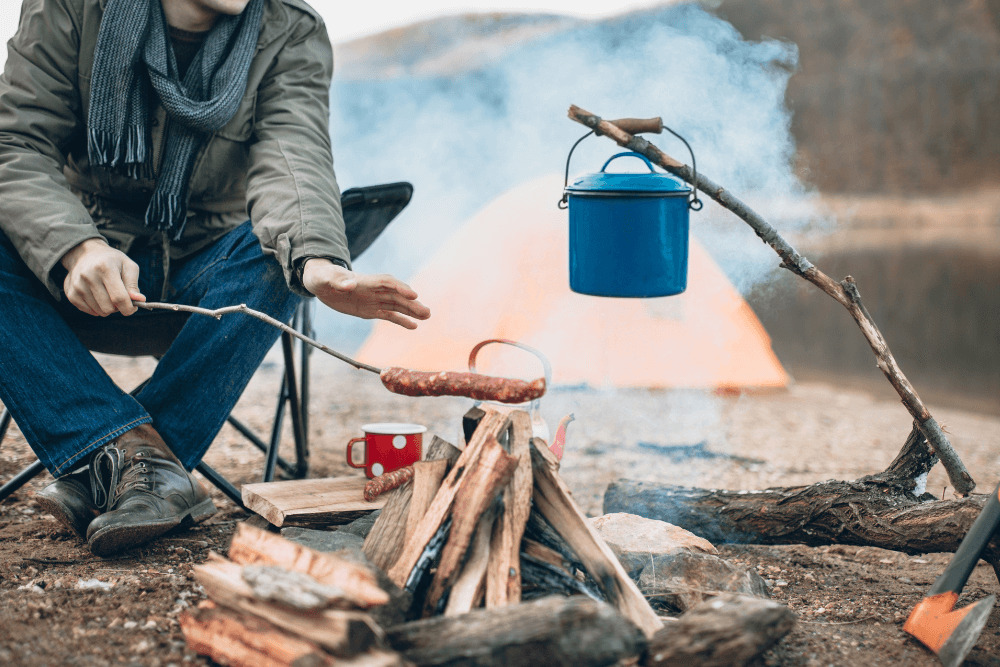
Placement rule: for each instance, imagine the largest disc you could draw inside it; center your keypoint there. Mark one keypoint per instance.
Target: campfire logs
(457, 549)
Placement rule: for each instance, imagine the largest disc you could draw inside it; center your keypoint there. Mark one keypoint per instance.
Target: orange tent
(504, 275)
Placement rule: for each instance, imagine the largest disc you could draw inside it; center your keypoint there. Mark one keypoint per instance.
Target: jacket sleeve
(292, 193)
(39, 112)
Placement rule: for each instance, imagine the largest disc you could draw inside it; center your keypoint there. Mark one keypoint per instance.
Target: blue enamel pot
(628, 233)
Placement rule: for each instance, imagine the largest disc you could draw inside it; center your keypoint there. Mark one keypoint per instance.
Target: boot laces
(122, 473)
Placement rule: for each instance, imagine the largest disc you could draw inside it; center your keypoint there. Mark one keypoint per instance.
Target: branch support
(845, 293)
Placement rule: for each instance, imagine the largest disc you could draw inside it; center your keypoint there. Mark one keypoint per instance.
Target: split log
(310, 502)
(427, 478)
(554, 501)
(430, 524)
(385, 541)
(295, 590)
(576, 632)
(251, 546)
(726, 630)
(503, 573)
(343, 633)
(844, 292)
(469, 587)
(482, 481)
(245, 641)
(859, 513)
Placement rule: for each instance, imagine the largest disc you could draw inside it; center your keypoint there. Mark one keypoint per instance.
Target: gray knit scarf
(133, 61)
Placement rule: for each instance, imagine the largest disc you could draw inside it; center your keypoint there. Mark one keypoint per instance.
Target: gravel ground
(60, 605)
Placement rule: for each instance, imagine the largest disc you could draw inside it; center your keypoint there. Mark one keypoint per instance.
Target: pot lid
(651, 182)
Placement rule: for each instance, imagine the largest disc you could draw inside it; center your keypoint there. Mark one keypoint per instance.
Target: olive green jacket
(272, 162)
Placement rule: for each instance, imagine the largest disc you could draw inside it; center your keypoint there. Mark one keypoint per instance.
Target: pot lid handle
(629, 154)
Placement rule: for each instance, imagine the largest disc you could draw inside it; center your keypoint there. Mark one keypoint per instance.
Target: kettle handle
(629, 154)
(546, 366)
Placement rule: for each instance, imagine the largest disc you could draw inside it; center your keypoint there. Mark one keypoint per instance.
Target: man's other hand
(101, 280)
(363, 295)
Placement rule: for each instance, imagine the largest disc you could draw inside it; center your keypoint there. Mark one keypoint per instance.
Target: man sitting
(136, 139)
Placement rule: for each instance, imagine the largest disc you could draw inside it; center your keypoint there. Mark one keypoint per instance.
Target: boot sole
(114, 539)
(63, 515)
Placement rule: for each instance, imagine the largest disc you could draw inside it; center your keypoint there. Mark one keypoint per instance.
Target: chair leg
(301, 450)
(4, 423)
(20, 479)
(271, 453)
(305, 350)
(221, 483)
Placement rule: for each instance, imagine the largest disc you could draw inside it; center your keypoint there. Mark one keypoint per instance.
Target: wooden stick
(503, 575)
(252, 546)
(243, 308)
(554, 501)
(490, 427)
(479, 489)
(845, 292)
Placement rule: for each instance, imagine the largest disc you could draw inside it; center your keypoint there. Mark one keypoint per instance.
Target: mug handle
(350, 446)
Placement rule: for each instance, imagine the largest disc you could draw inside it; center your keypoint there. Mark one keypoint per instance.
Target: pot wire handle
(694, 204)
(564, 202)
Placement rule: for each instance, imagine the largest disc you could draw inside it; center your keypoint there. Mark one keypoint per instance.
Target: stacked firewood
(481, 557)
(274, 602)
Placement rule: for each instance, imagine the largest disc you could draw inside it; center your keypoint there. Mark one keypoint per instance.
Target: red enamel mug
(388, 446)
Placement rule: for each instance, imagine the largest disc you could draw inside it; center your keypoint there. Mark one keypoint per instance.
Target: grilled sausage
(472, 385)
(387, 482)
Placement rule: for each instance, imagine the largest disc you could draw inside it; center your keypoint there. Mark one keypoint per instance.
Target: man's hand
(101, 280)
(362, 295)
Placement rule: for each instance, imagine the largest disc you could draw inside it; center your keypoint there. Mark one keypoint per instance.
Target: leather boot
(144, 490)
(70, 501)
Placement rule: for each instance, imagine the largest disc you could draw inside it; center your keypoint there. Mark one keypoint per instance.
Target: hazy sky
(347, 20)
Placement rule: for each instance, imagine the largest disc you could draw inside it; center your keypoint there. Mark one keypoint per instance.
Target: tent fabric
(504, 274)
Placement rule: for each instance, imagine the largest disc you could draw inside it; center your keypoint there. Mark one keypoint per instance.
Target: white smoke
(465, 138)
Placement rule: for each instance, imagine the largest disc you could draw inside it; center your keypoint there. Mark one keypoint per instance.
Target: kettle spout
(559, 443)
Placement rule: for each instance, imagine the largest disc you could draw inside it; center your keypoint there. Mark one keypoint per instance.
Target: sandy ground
(60, 605)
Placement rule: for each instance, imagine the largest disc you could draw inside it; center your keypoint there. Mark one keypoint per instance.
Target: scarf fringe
(166, 213)
(128, 152)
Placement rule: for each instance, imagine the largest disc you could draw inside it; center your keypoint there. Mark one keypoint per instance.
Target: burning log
(878, 510)
(844, 292)
(726, 630)
(552, 631)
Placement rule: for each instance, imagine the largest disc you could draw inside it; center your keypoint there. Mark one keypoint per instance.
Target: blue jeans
(64, 402)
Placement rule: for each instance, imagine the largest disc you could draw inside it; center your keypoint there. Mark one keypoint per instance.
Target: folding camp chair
(367, 212)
